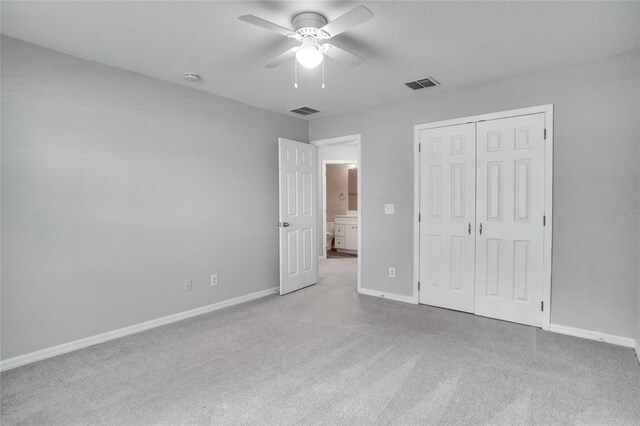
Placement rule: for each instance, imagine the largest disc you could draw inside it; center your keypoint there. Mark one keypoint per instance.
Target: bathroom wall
(353, 188)
(337, 190)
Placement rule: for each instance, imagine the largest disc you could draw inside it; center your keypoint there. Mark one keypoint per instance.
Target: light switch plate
(389, 208)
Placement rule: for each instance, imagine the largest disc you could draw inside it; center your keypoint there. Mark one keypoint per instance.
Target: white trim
(349, 139)
(390, 296)
(125, 331)
(594, 335)
(548, 189)
(490, 116)
(637, 348)
(416, 213)
(339, 140)
(324, 199)
(547, 245)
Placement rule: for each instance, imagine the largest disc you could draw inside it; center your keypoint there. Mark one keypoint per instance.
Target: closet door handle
(481, 229)
(469, 229)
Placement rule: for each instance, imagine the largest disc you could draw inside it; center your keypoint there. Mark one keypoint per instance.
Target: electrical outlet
(392, 272)
(188, 286)
(389, 208)
(214, 279)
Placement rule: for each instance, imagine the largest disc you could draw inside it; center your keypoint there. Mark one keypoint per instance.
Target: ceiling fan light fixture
(309, 56)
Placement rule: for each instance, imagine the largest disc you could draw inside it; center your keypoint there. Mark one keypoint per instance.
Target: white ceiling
(458, 43)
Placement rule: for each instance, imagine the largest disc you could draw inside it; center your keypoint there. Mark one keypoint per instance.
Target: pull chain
(323, 74)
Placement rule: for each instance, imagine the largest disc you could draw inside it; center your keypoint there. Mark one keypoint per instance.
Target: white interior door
(298, 217)
(510, 209)
(447, 240)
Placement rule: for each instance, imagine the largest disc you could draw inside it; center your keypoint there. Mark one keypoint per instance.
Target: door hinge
(418, 285)
(419, 147)
(542, 306)
(419, 217)
(545, 134)
(544, 220)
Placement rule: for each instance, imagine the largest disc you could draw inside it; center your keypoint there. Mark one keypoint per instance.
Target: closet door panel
(447, 197)
(510, 209)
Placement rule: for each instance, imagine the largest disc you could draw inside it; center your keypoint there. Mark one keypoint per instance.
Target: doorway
(340, 207)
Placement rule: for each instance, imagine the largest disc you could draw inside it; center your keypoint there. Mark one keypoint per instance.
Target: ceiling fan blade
(342, 55)
(267, 25)
(287, 54)
(347, 21)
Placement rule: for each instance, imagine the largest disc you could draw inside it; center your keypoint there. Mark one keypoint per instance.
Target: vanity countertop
(345, 216)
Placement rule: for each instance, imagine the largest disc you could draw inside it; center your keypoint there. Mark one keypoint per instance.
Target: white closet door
(447, 187)
(510, 208)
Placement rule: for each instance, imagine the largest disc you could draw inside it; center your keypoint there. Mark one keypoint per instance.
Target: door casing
(548, 195)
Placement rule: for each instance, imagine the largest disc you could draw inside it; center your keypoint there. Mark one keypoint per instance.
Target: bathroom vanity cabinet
(346, 231)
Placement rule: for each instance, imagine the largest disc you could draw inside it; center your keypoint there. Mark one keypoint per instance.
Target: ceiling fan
(310, 29)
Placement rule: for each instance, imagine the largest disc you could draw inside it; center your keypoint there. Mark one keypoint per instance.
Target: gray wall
(597, 128)
(116, 188)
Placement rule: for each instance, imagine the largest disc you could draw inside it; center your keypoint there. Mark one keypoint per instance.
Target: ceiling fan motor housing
(308, 23)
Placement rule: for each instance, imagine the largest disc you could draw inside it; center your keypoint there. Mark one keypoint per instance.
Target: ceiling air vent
(423, 83)
(304, 110)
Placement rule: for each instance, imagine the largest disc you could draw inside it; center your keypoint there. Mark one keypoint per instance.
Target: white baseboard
(391, 296)
(637, 348)
(594, 335)
(121, 332)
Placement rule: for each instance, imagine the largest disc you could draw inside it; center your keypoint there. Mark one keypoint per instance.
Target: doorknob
(481, 229)
(285, 224)
(469, 229)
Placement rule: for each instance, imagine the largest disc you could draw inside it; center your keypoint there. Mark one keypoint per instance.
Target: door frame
(548, 194)
(349, 139)
(323, 255)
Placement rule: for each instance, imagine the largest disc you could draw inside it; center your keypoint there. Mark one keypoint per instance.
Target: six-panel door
(298, 257)
(510, 209)
(447, 182)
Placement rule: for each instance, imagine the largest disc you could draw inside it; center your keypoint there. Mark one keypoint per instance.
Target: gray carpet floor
(326, 355)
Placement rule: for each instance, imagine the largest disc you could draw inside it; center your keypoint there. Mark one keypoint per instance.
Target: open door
(298, 220)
